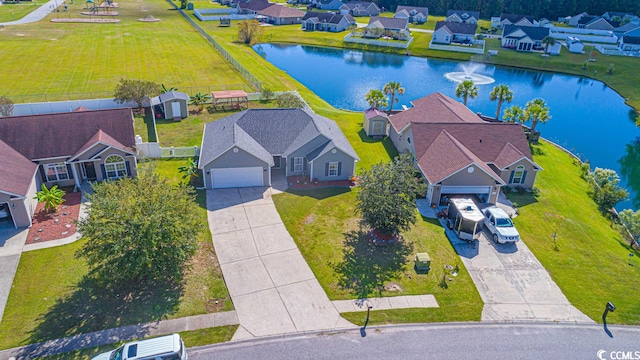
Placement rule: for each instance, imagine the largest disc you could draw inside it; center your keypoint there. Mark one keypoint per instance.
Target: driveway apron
(273, 289)
(513, 284)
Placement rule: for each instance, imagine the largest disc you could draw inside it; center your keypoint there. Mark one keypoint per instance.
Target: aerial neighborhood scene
(206, 179)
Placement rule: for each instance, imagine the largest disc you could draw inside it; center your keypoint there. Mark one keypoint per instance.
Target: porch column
(75, 174)
(311, 170)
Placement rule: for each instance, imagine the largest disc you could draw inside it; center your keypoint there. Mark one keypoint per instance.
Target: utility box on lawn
(423, 262)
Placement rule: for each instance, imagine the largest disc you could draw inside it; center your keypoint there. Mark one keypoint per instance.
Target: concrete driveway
(513, 284)
(273, 289)
(11, 243)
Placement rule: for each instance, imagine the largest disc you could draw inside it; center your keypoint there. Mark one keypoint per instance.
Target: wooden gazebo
(230, 99)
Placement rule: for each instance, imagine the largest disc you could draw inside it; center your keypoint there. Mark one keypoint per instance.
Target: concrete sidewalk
(36, 15)
(387, 303)
(273, 289)
(124, 333)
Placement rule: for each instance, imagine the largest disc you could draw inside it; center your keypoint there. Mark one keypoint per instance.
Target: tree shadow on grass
(386, 142)
(365, 267)
(92, 307)
(522, 198)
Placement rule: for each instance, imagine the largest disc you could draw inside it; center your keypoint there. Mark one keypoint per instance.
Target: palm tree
(466, 89)
(376, 99)
(392, 88)
(190, 170)
(548, 41)
(166, 89)
(199, 99)
(536, 111)
(501, 93)
(52, 198)
(514, 114)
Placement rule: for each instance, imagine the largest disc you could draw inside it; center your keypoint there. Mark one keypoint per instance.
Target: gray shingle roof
(463, 14)
(172, 95)
(326, 17)
(535, 33)
(389, 23)
(457, 28)
(268, 132)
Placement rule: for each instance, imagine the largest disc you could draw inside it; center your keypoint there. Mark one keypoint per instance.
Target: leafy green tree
(386, 200)
(466, 89)
(139, 230)
(135, 90)
(190, 170)
(6, 106)
(605, 188)
(199, 99)
(631, 220)
(376, 99)
(501, 93)
(249, 32)
(392, 88)
(51, 198)
(548, 41)
(536, 111)
(514, 114)
(289, 100)
(266, 94)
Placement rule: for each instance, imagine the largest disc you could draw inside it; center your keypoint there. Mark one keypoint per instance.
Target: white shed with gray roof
(241, 150)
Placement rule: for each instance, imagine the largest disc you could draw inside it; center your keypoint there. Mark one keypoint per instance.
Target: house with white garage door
(246, 148)
(460, 153)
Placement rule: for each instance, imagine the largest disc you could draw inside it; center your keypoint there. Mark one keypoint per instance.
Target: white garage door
(236, 177)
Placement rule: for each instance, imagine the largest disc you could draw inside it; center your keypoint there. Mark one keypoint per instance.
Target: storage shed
(171, 105)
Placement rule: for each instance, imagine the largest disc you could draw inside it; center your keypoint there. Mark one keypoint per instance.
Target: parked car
(170, 347)
(4, 211)
(500, 225)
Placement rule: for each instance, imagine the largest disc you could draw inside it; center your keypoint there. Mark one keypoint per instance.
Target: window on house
(56, 172)
(333, 169)
(115, 167)
(297, 164)
(518, 175)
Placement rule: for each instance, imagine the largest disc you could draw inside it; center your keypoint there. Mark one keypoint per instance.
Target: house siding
(347, 166)
(404, 142)
(231, 159)
(369, 125)
(99, 164)
(463, 178)
(530, 178)
(442, 36)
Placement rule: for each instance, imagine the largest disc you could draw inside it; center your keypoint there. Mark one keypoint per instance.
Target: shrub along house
(62, 149)
(459, 153)
(242, 150)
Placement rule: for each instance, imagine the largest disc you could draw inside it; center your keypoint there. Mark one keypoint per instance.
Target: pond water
(588, 118)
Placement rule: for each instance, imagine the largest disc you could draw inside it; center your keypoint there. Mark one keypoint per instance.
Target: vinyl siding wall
(232, 159)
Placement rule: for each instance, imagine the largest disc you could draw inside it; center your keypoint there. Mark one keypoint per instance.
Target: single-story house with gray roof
(243, 149)
(171, 105)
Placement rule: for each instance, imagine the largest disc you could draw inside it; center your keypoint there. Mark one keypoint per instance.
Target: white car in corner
(170, 347)
(500, 225)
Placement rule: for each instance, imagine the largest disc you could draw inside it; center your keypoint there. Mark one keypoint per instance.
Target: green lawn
(45, 304)
(591, 263)
(191, 338)
(321, 222)
(11, 11)
(88, 60)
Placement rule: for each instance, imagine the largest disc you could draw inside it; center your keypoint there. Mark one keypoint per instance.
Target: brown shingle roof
(63, 134)
(279, 11)
(370, 112)
(17, 171)
(436, 107)
(444, 148)
(100, 137)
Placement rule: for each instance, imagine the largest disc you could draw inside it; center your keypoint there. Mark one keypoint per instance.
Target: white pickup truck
(500, 225)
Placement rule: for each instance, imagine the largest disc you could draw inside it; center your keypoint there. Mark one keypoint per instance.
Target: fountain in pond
(468, 73)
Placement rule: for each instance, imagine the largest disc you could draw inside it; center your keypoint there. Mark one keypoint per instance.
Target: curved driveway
(273, 289)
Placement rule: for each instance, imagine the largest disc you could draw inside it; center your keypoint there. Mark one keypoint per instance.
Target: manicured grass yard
(318, 221)
(11, 12)
(46, 304)
(83, 58)
(591, 263)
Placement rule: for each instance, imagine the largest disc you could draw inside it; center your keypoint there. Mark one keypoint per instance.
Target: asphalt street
(442, 341)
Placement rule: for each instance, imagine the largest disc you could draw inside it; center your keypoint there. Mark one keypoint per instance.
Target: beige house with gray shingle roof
(459, 153)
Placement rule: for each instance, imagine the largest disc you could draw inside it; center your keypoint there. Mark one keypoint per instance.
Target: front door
(277, 161)
(89, 170)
